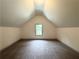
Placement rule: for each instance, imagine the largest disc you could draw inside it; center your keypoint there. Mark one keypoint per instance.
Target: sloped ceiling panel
(16, 12)
(63, 12)
(60, 12)
(0, 14)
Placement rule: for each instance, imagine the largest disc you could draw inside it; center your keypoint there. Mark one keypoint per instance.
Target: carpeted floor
(39, 49)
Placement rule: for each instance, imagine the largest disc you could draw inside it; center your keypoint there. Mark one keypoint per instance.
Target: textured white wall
(49, 30)
(69, 36)
(9, 36)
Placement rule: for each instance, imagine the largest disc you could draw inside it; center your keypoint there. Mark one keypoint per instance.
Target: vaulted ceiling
(60, 12)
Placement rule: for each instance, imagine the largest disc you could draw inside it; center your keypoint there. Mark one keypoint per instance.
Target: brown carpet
(39, 49)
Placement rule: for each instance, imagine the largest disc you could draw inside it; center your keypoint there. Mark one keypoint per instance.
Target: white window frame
(37, 30)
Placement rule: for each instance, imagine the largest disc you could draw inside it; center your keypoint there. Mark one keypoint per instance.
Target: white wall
(69, 36)
(0, 38)
(28, 29)
(9, 36)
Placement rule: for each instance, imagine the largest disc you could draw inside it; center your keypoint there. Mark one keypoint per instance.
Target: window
(39, 29)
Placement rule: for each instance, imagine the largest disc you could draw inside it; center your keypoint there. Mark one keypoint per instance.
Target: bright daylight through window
(39, 29)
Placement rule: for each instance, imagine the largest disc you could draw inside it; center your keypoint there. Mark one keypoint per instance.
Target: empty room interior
(39, 29)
